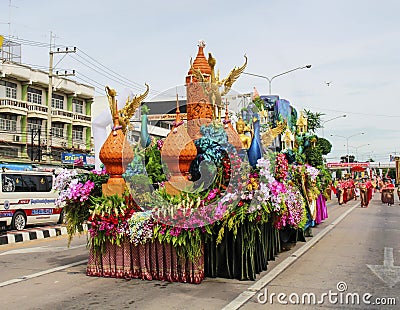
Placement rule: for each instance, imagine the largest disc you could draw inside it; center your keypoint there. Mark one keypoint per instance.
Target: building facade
(26, 112)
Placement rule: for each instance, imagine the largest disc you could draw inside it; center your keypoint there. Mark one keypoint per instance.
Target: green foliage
(324, 178)
(154, 166)
(76, 213)
(145, 109)
(324, 145)
(259, 103)
(314, 156)
(313, 120)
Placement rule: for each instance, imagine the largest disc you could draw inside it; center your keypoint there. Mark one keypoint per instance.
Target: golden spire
(178, 117)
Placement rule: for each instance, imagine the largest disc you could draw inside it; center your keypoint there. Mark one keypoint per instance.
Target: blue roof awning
(16, 166)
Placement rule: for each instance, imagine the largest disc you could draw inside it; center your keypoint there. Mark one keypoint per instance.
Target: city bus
(27, 197)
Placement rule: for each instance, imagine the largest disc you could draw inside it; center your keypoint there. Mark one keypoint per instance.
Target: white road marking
(41, 249)
(42, 273)
(388, 272)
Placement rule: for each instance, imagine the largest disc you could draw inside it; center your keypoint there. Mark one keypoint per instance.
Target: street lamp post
(347, 146)
(357, 147)
(275, 76)
(331, 119)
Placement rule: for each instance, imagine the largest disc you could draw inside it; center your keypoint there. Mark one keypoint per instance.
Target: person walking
(389, 193)
(363, 193)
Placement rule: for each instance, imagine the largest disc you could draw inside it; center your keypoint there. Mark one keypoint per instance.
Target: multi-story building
(25, 113)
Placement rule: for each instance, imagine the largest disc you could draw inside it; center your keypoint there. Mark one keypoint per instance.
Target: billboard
(77, 159)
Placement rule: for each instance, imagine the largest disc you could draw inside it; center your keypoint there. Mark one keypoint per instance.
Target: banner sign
(77, 159)
(346, 165)
(165, 117)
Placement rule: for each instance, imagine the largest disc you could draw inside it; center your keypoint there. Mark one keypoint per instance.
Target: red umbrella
(357, 169)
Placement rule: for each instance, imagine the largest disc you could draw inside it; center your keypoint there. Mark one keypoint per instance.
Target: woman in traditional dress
(370, 188)
(345, 191)
(356, 189)
(363, 193)
(383, 191)
(389, 193)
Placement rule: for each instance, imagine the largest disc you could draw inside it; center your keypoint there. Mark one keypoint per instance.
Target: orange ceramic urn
(116, 153)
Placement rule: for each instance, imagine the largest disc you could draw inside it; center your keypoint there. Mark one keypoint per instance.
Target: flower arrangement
(140, 227)
(281, 167)
(75, 190)
(109, 218)
(294, 214)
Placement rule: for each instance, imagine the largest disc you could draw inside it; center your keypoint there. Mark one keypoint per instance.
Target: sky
(353, 47)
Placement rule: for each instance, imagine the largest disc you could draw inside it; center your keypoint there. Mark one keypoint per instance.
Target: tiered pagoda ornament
(199, 109)
(288, 140)
(301, 124)
(178, 152)
(210, 82)
(116, 152)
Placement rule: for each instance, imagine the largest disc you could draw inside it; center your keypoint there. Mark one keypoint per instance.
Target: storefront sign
(82, 159)
(347, 165)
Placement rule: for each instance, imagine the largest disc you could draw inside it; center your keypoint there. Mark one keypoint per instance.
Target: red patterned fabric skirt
(150, 261)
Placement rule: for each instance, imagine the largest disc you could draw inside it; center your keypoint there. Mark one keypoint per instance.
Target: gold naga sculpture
(211, 88)
(271, 133)
(125, 114)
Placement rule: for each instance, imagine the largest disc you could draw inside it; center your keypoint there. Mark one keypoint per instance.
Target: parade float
(208, 200)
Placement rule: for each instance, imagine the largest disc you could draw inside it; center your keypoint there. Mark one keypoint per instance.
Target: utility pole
(50, 93)
(38, 153)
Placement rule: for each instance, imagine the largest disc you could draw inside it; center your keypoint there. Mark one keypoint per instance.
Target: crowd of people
(350, 188)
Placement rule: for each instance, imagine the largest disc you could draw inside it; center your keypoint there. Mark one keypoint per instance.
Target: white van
(26, 197)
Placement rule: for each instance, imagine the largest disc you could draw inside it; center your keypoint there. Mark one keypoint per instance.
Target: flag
(1, 41)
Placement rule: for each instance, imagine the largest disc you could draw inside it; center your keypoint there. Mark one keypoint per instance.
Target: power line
(118, 78)
(89, 83)
(357, 113)
(137, 85)
(112, 78)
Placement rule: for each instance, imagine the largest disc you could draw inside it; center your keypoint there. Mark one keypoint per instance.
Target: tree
(314, 156)
(313, 120)
(324, 145)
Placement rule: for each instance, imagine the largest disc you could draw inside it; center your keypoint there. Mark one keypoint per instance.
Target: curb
(16, 236)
